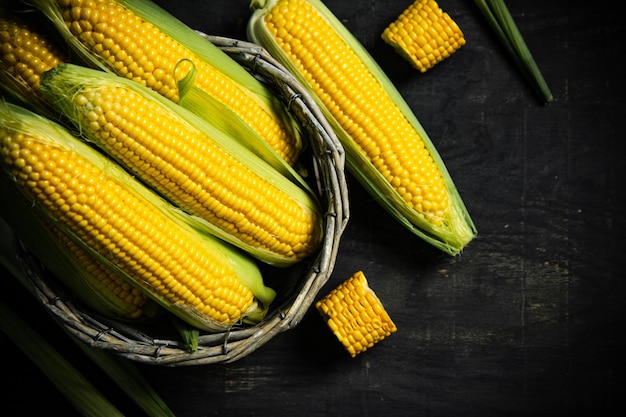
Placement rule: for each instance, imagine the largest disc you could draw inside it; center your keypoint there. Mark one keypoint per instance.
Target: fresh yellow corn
(243, 200)
(128, 227)
(424, 34)
(138, 40)
(387, 149)
(26, 52)
(355, 315)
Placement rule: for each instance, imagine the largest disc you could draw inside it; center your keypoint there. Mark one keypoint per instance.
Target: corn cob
(140, 41)
(26, 52)
(128, 227)
(387, 149)
(424, 34)
(198, 168)
(355, 314)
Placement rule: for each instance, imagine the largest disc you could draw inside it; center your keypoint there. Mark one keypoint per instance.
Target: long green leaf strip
(120, 370)
(129, 379)
(66, 378)
(499, 18)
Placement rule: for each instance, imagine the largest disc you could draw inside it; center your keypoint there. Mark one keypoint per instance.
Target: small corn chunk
(26, 52)
(139, 41)
(128, 227)
(424, 34)
(355, 315)
(387, 149)
(255, 209)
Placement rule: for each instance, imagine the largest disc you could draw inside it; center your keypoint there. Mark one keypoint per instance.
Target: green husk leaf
(199, 102)
(188, 334)
(499, 18)
(129, 379)
(459, 230)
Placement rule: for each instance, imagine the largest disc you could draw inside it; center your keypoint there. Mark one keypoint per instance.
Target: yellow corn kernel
(424, 34)
(375, 122)
(136, 49)
(185, 165)
(355, 315)
(101, 206)
(387, 149)
(26, 52)
(115, 285)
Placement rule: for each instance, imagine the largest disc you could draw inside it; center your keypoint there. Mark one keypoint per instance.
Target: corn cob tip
(424, 34)
(355, 315)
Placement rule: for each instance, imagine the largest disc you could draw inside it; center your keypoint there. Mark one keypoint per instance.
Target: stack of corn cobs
(148, 168)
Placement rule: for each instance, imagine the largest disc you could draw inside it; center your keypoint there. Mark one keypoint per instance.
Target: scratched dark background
(528, 321)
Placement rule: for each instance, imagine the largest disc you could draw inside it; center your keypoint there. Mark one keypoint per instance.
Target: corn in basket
(324, 157)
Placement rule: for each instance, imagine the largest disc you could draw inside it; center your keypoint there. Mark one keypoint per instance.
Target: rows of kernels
(424, 34)
(195, 172)
(138, 50)
(26, 54)
(361, 105)
(115, 284)
(355, 315)
(123, 227)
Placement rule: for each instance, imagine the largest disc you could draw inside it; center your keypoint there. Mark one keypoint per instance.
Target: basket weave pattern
(328, 162)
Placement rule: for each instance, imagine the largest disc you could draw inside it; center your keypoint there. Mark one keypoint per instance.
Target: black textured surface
(528, 320)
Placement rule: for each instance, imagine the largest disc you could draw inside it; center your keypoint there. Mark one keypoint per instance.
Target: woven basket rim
(328, 160)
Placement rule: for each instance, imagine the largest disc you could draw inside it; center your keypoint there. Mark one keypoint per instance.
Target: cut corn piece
(424, 34)
(387, 149)
(355, 315)
(26, 52)
(138, 40)
(127, 226)
(198, 168)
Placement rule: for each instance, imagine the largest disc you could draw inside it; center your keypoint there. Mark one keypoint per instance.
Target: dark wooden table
(529, 320)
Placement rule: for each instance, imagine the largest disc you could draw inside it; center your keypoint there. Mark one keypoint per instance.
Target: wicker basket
(327, 171)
